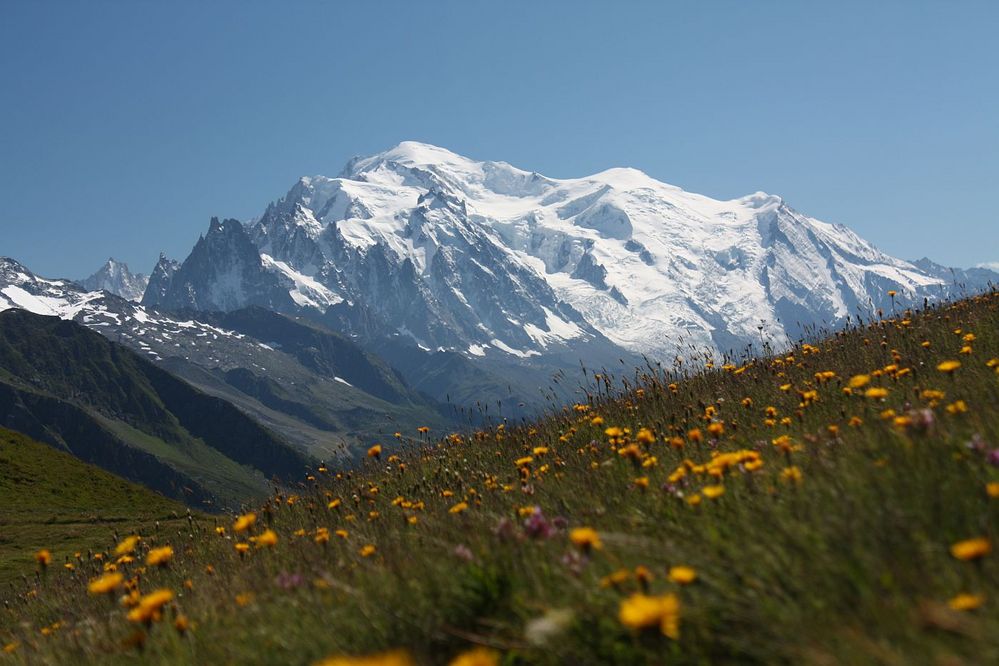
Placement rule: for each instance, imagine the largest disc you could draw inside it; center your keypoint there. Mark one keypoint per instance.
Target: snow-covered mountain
(490, 260)
(115, 278)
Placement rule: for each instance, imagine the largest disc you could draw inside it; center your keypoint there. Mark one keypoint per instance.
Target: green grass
(51, 500)
(852, 564)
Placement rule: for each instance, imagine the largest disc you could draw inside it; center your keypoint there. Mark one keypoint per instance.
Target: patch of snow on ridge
(502, 346)
(306, 291)
(43, 305)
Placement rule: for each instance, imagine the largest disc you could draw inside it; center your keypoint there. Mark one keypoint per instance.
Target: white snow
(306, 291)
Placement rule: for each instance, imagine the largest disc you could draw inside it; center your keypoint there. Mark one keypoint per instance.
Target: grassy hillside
(837, 503)
(51, 500)
(71, 387)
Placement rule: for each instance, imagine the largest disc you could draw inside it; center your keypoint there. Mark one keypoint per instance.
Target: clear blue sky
(124, 126)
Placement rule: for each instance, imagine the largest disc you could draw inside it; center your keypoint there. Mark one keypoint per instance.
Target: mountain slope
(488, 260)
(833, 504)
(76, 390)
(299, 379)
(52, 500)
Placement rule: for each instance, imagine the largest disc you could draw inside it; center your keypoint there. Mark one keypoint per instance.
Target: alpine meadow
(833, 503)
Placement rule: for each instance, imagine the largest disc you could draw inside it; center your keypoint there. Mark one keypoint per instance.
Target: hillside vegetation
(50, 500)
(74, 389)
(835, 503)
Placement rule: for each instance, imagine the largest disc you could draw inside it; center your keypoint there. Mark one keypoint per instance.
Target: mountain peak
(760, 200)
(115, 278)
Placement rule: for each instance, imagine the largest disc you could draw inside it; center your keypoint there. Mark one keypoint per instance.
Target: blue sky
(124, 126)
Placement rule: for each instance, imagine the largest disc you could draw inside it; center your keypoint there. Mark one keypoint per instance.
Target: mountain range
(317, 389)
(487, 260)
(415, 288)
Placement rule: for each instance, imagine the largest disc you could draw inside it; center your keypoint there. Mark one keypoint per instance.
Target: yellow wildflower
(159, 556)
(127, 545)
(682, 575)
(859, 381)
(585, 538)
(105, 584)
(394, 658)
(149, 608)
(713, 492)
(477, 656)
(244, 522)
(791, 474)
(640, 611)
(966, 602)
(971, 549)
(267, 539)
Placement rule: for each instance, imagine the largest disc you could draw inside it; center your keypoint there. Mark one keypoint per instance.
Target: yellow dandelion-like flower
(713, 492)
(158, 557)
(367, 550)
(859, 381)
(105, 584)
(971, 549)
(458, 508)
(791, 474)
(949, 366)
(394, 658)
(640, 611)
(127, 545)
(876, 393)
(585, 538)
(267, 539)
(182, 624)
(966, 602)
(477, 656)
(957, 407)
(682, 575)
(244, 522)
(149, 608)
